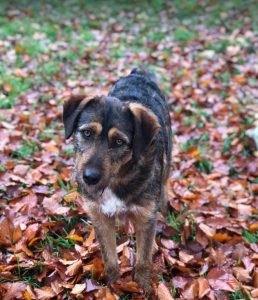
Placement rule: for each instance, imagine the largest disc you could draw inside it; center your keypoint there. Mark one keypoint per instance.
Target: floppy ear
(71, 110)
(146, 127)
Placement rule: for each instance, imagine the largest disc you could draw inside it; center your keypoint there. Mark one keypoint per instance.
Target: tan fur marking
(81, 159)
(97, 127)
(116, 133)
(138, 109)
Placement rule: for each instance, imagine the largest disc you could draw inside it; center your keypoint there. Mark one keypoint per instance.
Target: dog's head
(108, 133)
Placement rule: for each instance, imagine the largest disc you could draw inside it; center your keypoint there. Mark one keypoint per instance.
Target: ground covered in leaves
(205, 55)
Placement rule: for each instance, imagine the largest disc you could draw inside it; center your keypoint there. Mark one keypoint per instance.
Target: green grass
(240, 295)
(2, 168)
(250, 237)
(175, 223)
(54, 243)
(25, 150)
(36, 34)
(183, 34)
(28, 275)
(204, 165)
(227, 143)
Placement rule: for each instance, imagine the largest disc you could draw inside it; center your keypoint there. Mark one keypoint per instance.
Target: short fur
(126, 137)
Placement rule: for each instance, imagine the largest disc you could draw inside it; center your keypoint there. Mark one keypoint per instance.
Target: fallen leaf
(163, 292)
(44, 293)
(210, 232)
(78, 289)
(74, 268)
(242, 274)
(204, 287)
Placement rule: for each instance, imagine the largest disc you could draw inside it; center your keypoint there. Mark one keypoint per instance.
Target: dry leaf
(163, 292)
(78, 289)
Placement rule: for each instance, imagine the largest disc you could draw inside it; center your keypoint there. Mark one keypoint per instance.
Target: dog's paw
(142, 276)
(112, 274)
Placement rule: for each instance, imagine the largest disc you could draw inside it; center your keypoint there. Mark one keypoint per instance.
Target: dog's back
(141, 86)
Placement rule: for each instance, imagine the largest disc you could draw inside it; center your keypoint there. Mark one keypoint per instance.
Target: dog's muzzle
(91, 176)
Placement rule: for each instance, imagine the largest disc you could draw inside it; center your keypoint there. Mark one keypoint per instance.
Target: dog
(122, 145)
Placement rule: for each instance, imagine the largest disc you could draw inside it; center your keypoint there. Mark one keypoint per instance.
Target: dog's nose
(91, 176)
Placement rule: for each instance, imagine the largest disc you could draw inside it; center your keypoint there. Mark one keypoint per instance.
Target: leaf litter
(206, 248)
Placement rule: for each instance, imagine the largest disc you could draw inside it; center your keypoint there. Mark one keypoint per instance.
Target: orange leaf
(8, 233)
(253, 227)
(33, 241)
(26, 295)
(221, 237)
(70, 197)
(75, 237)
(240, 79)
(204, 287)
(8, 87)
(90, 238)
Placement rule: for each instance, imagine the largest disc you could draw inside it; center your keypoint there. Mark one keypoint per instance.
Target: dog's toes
(142, 276)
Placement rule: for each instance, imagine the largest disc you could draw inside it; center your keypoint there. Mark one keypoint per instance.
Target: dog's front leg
(106, 235)
(145, 235)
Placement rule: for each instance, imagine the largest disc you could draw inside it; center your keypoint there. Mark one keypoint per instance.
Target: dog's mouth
(93, 192)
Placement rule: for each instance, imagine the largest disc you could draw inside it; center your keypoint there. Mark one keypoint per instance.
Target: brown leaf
(90, 238)
(169, 244)
(242, 274)
(204, 287)
(21, 170)
(8, 233)
(73, 268)
(184, 257)
(191, 292)
(221, 280)
(179, 282)
(78, 289)
(254, 293)
(14, 290)
(163, 292)
(210, 232)
(53, 205)
(44, 293)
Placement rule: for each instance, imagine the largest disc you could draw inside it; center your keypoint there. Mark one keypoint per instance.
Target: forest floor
(205, 55)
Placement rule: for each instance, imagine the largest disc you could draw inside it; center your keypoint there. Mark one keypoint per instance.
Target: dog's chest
(112, 205)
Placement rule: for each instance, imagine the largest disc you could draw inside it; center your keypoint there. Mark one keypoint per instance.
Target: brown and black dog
(122, 147)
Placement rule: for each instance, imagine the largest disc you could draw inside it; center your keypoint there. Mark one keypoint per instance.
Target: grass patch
(26, 150)
(182, 34)
(28, 275)
(239, 295)
(226, 145)
(204, 165)
(175, 223)
(250, 237)
(54, 243)
(220, 46)
(2, 168)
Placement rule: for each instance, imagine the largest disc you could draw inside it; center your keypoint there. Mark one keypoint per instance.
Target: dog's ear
(146, 127)
(72, 107)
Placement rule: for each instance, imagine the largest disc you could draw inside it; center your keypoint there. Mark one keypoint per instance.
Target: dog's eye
(87, 132)
(119, 142)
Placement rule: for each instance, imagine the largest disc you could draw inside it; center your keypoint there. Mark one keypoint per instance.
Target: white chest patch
(111, 204)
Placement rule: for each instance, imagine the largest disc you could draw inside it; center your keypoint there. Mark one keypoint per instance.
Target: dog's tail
(146, 73)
